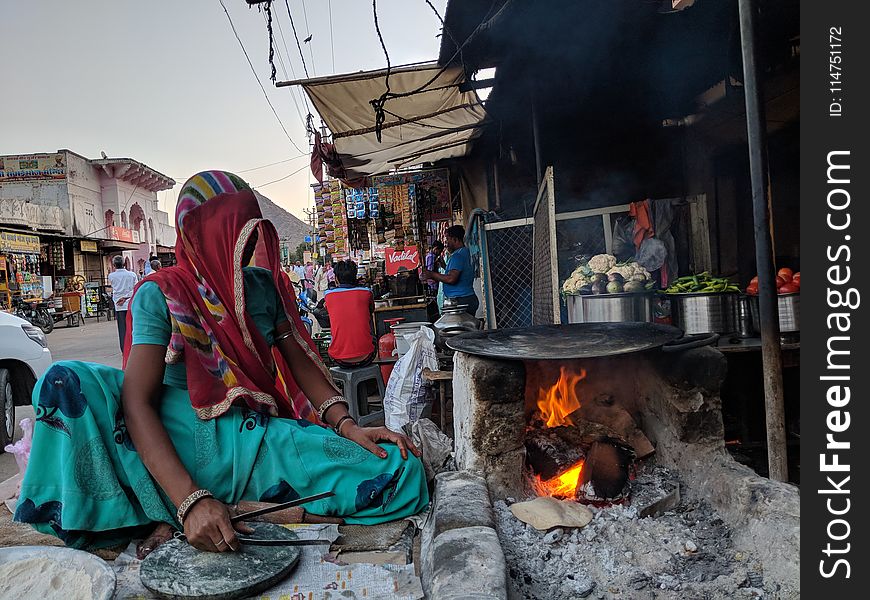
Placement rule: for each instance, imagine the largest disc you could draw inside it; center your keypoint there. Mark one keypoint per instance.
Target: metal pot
(610, 308)
(453, 322)
(789, 306)
(704, 312)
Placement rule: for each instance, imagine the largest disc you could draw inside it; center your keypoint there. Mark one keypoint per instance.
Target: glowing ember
(559, 401)
(561, 486)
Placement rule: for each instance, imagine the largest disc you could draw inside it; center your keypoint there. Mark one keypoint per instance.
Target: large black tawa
(565, 342)
(178, 571)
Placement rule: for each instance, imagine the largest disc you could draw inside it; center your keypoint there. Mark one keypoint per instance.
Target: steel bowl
(789, 307)
(714, 312)
(610, 308)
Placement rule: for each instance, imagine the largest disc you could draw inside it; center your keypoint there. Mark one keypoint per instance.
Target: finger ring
(223, 541)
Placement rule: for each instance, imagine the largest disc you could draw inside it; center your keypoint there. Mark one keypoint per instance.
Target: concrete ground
(94, 342)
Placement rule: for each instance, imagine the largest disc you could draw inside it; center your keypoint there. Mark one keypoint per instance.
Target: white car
(24, 357)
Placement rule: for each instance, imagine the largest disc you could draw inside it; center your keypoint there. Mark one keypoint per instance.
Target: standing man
(458, 282)
(122, 282)
(433, 258)
(299, 269)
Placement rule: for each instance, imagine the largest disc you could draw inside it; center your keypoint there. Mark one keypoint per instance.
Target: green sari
(86, 484)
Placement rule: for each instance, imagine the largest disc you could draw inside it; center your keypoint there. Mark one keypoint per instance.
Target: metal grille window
(509, 254)
(545, 296)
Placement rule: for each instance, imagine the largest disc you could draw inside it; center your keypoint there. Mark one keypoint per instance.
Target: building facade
(82, 211)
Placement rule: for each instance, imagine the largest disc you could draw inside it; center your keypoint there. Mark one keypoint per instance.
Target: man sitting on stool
(350, 309)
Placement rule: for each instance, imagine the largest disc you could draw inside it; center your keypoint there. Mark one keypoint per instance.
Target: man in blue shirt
(458, 282)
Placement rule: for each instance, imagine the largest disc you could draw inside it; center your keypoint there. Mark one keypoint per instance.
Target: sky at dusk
(165, 82)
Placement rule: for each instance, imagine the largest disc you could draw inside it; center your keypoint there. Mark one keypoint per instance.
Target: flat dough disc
(179, 571)
(545, 512)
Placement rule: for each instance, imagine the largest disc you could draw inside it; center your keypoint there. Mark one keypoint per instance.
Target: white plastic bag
(405, 397)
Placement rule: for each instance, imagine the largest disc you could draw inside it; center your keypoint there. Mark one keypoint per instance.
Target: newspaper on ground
(314, 578)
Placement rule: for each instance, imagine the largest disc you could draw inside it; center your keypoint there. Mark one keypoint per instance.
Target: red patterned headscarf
(228, 361)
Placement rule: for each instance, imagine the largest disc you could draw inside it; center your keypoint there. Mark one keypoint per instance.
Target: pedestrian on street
(458, 283)
(122, 282)
(221, 390)
(433, 262)
(155, 266)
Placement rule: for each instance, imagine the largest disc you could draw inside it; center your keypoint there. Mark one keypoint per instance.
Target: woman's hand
(207, 527)
(368, 438)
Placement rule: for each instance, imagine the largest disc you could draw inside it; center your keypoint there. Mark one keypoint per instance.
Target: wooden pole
(756, 126)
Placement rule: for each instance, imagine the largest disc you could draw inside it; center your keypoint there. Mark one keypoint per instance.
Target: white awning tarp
(435, 123)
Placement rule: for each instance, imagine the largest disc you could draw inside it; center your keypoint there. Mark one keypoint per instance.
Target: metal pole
(770, 350)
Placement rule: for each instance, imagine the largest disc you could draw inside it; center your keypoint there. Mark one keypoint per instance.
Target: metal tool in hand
(270, 509)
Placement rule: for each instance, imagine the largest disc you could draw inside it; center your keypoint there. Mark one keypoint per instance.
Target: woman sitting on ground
(222, 392)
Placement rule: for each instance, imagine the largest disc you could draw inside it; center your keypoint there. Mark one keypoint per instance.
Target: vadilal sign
(32, 167)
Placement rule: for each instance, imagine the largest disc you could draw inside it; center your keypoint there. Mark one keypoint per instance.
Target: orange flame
(559, 401)
(561, 486)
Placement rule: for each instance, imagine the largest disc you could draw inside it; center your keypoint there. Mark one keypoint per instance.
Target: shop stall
(19, 267)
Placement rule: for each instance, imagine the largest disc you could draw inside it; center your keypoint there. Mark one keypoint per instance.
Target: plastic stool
(349, 381)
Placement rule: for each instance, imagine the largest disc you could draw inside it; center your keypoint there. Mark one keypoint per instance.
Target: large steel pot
(789, 306)
(704, 312)
(454, 321)
(610, 308)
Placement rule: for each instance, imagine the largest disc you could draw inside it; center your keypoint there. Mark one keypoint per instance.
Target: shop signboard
(397, 260)
(12, 241)
(120, 234)
(88, 246)
(32, 167)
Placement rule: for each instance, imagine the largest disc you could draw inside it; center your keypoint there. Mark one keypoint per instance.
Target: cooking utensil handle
(277, 507)
(689, 342)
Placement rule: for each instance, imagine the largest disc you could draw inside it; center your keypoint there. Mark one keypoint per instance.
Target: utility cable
(284, 70)
(308, 31)
(296, 35)
(299, 170)
(254, 71)
(331, 35)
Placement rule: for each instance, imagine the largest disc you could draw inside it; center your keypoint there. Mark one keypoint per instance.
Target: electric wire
(296, 35)
(299, 170)
(379, 103)
(284, 70)
(254, 71)
(270, 164)
(331, 35)
(308, 32)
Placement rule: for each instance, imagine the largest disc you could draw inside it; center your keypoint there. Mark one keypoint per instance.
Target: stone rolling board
(462, 558)
(178, 571)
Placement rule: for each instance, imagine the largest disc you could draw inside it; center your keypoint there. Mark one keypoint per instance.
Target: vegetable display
(603, 274)
(703, 283)
(787, 282)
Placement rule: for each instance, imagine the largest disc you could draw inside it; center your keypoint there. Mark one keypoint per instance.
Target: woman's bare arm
(207, 522)
(318, 388)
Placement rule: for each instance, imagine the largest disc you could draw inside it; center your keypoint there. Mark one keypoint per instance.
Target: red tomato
(785, 273)
(754, 280)
(780, 282)
(789, 288)
(752, 290)
(796, 279)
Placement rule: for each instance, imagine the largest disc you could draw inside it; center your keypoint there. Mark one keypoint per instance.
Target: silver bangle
(283, 336)
(188, 503)
(328, 403)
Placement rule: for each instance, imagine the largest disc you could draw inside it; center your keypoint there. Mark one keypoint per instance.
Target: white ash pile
(684, 553)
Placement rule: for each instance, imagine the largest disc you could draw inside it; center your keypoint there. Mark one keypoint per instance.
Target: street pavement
(94, 342)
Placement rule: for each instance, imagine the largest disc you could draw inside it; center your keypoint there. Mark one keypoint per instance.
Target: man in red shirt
(350, 309)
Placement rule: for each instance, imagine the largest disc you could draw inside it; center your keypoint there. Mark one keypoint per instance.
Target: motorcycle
(35, 312)
(305, 300)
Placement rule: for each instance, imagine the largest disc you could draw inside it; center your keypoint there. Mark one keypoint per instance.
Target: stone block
(468, 563)
(488, 409)
(461, 500)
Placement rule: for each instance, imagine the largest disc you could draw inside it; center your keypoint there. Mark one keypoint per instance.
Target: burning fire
(559, 401)
(561, 486)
